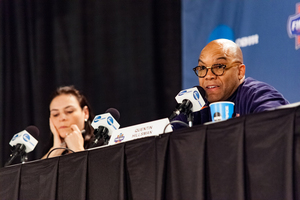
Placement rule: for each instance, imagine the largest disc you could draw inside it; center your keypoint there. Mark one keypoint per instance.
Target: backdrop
(120, 54)
(128, 55)
(268, 32)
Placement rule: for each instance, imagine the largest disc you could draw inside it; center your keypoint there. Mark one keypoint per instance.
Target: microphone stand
(188, 112)
(179, 108)
(101, 132)
(186, 108)
(24, 158)
(19, 150)
(190, 117)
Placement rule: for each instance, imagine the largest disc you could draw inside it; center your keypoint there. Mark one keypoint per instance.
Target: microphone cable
(59, 148)
(175, 122)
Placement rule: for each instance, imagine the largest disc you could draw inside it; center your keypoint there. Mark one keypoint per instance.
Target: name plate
(147, 129)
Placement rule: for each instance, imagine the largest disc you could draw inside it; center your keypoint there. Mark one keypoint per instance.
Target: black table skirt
(251, 157)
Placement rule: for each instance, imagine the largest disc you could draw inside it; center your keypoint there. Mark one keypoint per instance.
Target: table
(255, 157)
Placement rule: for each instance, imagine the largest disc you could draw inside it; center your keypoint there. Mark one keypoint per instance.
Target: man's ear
(242, 71)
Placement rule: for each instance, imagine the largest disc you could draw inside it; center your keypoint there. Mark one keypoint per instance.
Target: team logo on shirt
(293, 26)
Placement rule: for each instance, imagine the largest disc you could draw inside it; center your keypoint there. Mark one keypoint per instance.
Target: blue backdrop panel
(268, 32)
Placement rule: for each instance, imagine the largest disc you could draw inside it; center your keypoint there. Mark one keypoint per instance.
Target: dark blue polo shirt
(251, 96)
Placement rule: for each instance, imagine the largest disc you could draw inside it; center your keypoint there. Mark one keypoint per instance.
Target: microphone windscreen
(34, 131)
(201, 90)
(114, 112)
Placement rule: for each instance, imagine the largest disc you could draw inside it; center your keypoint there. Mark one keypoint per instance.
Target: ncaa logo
(196, 95)
(15, 137)
(26, 137)
(182, 93)
(97, 119)
(110, 120)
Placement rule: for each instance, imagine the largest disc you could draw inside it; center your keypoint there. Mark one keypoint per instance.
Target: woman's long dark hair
(88, 135)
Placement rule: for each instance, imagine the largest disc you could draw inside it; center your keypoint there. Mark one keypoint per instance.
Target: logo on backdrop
(293, 26)
(224, 31)
(247, 41)
(221, 31)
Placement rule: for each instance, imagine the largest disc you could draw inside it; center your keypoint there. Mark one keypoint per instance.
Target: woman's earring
(85, 120)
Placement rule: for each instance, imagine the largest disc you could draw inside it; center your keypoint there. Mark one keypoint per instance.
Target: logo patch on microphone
(26, 137)
(196, 95)
(110, 120)
(97, 118)
(182, 92)
(15, 137)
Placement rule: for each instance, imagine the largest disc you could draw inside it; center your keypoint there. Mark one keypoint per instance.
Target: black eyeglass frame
(211, 68)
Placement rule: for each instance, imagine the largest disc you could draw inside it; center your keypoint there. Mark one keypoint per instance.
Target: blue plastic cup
(221, 110)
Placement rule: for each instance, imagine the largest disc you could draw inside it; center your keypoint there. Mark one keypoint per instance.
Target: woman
(70, 122)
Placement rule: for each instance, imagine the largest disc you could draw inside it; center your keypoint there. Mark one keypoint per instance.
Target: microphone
(105, 124)
(189, 101)
(114, 112)
(23, 142)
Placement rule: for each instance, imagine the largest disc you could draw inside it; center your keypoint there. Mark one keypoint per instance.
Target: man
(221, 74)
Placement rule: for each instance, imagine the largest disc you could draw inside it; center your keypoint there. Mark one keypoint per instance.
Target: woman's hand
(57, 140)
(74, 140)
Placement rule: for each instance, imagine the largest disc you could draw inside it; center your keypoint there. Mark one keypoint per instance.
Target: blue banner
(268, 32)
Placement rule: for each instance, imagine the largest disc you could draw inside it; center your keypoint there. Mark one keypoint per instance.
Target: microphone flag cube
(25, 138)
(107, 121)
(194, 96)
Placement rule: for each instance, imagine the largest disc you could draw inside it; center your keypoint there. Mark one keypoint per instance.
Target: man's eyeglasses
(216, 69)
